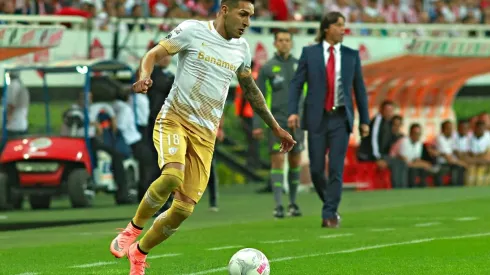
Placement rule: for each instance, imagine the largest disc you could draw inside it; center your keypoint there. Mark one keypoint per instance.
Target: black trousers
(117, 167)
(413, 174)
(333, 135)
(142, 154)
(457, 174)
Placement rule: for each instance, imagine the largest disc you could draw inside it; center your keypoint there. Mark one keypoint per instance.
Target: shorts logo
(172, 150)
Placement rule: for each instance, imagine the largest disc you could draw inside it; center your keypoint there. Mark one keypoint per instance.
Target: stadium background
(426, 56)
(429, 57)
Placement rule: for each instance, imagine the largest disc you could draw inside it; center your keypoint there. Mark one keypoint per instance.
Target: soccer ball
(249, 261)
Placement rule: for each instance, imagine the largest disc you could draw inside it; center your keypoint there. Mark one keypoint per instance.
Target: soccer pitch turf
(419, 231)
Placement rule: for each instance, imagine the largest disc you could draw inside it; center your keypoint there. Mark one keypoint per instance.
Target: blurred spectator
(447, 159)
(411, 151)
(378, 143)
(462, 140)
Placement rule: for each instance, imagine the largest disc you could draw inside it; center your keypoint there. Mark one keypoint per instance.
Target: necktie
(329, 102)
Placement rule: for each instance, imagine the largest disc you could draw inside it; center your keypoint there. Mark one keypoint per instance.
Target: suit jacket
(311, 69)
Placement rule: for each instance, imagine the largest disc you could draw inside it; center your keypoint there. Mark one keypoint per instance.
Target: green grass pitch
(420, 231)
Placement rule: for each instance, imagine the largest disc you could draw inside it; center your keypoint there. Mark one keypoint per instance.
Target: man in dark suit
(331, 71)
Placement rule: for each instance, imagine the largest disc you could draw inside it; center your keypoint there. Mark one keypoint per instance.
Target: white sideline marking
(3, 217)
(281, 241)
(382, 229)
(93, 264)
(28, 273)
(336, 236)
(427, 224)
(163, 255)
(353, 250)
(465, 219)
(224, 247)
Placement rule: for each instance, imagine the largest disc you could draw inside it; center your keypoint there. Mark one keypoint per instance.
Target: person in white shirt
(411, 151)
(94, 134)
(480, 144)
(126, 123)
(447, 159)
(479, 155)
(142, 109)
(17, 107)
(462, 140)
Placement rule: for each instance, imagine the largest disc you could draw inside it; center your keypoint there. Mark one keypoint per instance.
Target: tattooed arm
(253, 94)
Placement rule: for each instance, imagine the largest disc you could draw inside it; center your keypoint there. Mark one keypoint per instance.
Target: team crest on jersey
(174, 33)
(172, 150)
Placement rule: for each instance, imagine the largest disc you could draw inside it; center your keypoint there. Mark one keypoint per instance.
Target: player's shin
(157, 194)
(166, 224)
(293, 180)
(277, 178)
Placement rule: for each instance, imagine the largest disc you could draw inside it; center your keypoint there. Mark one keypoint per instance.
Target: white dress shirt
(445, 145)
(125, 122)
(480, 145)
(18, 98)
(411, 151)
(462, 143)
(142, 108)
(339, 96)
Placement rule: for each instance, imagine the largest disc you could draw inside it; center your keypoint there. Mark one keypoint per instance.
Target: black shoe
(293, 210)
(279, 212)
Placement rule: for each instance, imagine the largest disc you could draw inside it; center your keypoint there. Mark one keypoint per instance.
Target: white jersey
(207, 63)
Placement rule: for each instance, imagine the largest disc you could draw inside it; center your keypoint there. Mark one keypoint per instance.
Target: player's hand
(364, 130)
(220, 135)
(142, 85)
(287, 141)
(258, 133)
(293, 122)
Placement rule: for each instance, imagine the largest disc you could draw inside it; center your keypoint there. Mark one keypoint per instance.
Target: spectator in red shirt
(67, 10)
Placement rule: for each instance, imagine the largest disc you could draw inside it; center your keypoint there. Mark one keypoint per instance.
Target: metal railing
(404, 30)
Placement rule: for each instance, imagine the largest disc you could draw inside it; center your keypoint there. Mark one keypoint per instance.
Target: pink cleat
(121, 243)
(137, 260)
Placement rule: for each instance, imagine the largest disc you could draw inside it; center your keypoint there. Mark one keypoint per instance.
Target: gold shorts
(175, 143)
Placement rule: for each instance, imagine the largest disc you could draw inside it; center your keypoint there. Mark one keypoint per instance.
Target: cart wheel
(4, 192)
(78, 185)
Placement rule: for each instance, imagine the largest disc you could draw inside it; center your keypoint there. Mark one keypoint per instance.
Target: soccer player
(210, 53)
(274, 79)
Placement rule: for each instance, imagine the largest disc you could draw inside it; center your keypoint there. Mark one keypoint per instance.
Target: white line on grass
(28, 273)
(3, 217)
(224, 247)
(427, 224)
(163, 255)
(93, 264)
(353, 250)
(466, 219)
(281, 241)
(336, 236)
(382, 229)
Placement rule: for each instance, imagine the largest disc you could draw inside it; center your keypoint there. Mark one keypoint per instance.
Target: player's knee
(277, 161)
(181, 209)
(178, 212)
(171, 178)
(158, 191)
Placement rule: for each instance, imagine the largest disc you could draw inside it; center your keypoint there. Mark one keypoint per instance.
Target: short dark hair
(397, 117)
(278, 31)
(444, 123)
(327, 20)
(463, 121)
(414, 126)
(234, 3)
(387, 103)
(480, 123)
